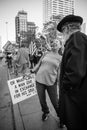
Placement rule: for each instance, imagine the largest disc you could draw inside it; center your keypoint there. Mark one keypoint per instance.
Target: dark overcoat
(73, 83)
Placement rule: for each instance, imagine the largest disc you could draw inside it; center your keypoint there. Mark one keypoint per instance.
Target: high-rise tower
(21, 25)
(57, 7)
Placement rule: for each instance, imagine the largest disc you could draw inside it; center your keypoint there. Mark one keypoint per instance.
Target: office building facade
(31, 27)
(20, 25)
(53, 8)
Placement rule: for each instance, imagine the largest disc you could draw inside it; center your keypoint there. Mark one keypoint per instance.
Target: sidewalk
(28, 114)
(6, 116)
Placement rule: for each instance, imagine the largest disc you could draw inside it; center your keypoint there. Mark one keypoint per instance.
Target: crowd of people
(67, 70)
(20, 60)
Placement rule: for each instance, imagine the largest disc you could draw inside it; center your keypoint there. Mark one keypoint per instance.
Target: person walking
(9, 59)
(46, 78)
(23, 59)
(73, 74)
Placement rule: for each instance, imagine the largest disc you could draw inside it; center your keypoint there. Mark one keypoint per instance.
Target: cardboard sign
(22, 87)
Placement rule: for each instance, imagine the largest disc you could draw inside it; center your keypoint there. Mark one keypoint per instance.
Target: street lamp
(6, 30)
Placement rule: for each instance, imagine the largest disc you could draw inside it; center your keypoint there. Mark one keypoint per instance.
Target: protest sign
(22, 87)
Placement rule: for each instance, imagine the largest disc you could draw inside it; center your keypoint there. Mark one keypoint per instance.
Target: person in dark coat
(9, 59)
(73, 74)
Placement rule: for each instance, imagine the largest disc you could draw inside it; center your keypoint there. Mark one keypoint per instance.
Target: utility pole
(6, 30)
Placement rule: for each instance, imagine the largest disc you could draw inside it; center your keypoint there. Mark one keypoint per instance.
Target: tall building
(57, 7)
(21, 25)
(31, 27)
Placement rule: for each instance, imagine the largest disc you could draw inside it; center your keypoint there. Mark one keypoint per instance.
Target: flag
(32, 48)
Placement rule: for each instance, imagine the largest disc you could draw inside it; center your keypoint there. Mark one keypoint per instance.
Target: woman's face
(55, 45)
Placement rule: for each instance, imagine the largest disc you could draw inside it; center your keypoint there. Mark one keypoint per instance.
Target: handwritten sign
(22, 87)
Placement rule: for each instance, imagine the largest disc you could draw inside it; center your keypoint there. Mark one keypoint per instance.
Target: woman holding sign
(46, 78)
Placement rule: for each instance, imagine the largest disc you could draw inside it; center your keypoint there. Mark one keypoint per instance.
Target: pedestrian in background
(9, 59)
(39, 55)
(23, 59)
(73, 74)
(46, 78)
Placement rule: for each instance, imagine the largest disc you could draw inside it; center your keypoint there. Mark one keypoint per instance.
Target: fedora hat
(69, 19)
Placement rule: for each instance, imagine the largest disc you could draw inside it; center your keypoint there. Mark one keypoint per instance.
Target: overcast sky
(10, 8)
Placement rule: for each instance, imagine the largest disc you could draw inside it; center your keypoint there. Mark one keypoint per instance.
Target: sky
(34, 9)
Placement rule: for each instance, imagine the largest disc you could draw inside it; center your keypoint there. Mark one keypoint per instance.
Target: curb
(18, 118)
(18, 122)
